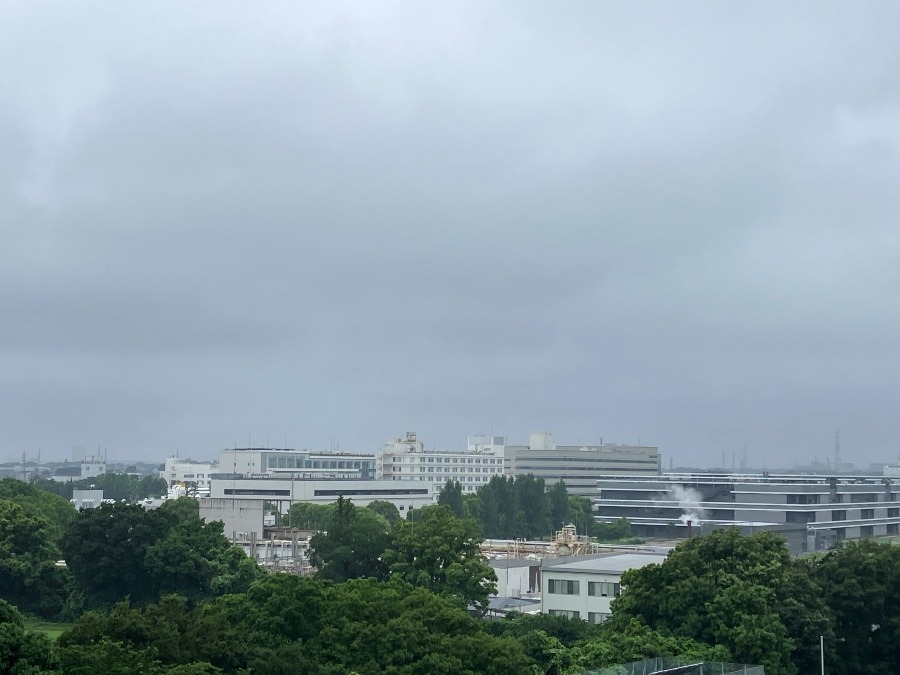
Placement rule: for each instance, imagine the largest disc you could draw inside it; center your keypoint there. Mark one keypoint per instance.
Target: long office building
(487, 456)
(580, 466)
(282, 491)
(828, 508)
(288, 461)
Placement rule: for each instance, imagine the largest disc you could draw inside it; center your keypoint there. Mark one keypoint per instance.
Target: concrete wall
(237, 515)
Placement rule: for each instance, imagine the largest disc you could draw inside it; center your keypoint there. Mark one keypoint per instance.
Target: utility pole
(837, 450)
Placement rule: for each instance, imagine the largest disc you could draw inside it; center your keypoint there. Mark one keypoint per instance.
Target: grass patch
(51, 629)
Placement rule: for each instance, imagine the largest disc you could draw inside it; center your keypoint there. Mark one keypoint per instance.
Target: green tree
(22, 652)
(371, 627)
(105, 550)
(28, 573)
(441, 553)
(451, 496)
(120, 550)
(860, 582)
(616, 530)
(353, 545)
(725, 589)
(559, 505)
(57, 511)
(308, 516)
(633, 641)
(386, 509)
(581, 514)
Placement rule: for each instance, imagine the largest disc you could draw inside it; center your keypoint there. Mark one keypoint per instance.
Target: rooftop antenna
(837, 450)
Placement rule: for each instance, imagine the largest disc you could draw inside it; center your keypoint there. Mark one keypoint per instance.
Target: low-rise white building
(583, 587)
(299, 463)
(194, 476)
(284, 491)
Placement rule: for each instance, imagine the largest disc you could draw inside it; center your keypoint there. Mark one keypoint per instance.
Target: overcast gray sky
(327, 224)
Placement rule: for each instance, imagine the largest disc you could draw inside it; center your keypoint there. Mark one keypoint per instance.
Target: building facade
(583, 587)
(287, 462)
(194, 476)
(284, 491)
(830, 508)
(579, 465)
(407, 459)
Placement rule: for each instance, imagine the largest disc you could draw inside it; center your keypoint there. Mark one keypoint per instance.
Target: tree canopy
(441, 553)
(744, 593)
(115, 486)
(287, 624)
(121, 550)
(353, 544)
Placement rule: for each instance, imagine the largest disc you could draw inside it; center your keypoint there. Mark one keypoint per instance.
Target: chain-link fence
(673, 666)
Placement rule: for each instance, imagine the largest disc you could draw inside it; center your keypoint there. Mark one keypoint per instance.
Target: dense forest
(524, 507)
(163, 592)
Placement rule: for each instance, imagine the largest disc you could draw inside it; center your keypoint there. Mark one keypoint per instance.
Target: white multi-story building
(407, 459)
(194, 476)
(583, 587)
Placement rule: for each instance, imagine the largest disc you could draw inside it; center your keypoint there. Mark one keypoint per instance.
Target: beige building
(580, 466)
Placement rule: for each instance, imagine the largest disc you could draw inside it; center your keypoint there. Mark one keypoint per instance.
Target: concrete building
(517, 577)
(299, 463)
(583, 587)
(284, 491)
(239, 516)
(829, 508)
(194, 476)
(407, 459)
(579, 465)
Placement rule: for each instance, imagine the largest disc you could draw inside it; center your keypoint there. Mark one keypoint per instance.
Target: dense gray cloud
(327, 224)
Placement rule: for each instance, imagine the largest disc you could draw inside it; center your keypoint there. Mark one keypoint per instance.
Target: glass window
(563, 587)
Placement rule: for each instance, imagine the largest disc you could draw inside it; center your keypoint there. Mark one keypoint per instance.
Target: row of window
(603, 589)
(593, 617)
(446, 460)
(865, 514)
(450, 469)
(299, 463)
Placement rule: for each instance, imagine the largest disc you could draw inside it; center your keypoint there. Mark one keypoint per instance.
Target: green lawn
(49, 628)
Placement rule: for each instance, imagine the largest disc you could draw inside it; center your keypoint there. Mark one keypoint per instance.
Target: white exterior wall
(244, 462)
(408, 460)
(237, 515)
(583, 603)
(91, 469)
(187, 471)
(286, 492)
(259, 461)
(513, 582)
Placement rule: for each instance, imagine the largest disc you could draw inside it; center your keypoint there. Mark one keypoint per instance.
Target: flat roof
(613, 564)
(507, 563)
